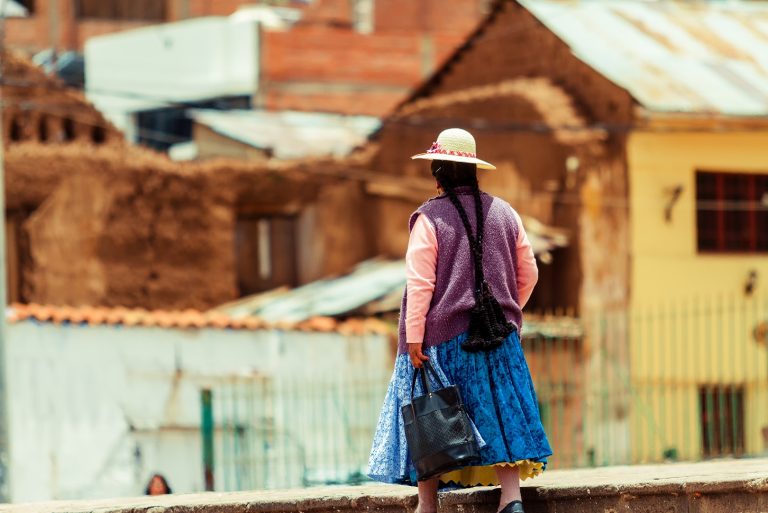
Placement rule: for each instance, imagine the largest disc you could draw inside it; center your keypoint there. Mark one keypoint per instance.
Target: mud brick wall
(512, 85)
(37, 107)
(126, 227)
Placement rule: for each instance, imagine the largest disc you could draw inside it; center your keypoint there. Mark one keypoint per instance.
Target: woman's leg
(509, 477)
(428, 496)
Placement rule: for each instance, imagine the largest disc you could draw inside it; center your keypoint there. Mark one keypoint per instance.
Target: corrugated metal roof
(690, 57)
(291, 135)
(368, 282)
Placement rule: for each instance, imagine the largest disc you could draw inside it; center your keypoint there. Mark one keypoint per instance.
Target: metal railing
(280, 433)
(677, 381)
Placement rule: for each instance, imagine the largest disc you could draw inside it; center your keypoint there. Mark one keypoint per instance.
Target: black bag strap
(422, 373)
(475, 242)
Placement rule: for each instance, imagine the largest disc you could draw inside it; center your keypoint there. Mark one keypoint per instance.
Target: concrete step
(727, 486)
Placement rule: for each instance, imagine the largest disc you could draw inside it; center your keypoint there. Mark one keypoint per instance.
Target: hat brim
(455, 158)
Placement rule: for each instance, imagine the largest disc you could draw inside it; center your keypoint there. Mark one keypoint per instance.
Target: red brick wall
(333, 69)
(319, 65)
(35, 33)
(337, 55)
(368, 103)
(456, 17)
(209, 7)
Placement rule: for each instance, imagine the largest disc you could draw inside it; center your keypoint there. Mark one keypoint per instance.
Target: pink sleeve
(527, 272)
(420, 273)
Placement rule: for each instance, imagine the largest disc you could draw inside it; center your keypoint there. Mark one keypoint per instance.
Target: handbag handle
(426, 367)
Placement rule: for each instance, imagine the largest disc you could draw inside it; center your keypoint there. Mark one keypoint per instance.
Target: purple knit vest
(453, 297)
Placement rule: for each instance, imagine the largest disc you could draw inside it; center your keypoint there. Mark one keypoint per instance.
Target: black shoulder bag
(437, 428)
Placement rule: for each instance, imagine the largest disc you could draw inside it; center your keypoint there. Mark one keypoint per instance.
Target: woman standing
(470, 270)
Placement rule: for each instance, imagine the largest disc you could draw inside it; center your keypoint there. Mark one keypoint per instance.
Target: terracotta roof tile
(97, 316)
(185, 319)
(325, 324)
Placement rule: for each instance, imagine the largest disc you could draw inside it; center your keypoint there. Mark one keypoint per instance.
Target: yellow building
(695, 372)
(699, 224)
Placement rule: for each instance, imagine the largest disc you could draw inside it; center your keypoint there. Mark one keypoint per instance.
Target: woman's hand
(417, 357)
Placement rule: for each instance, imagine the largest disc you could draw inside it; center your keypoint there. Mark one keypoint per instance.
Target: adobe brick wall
(120, 226)
(39, 108)
(530, 165)
(516, 44)
(593, 271)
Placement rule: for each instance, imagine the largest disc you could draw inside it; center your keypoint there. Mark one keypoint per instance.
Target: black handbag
(437, 428)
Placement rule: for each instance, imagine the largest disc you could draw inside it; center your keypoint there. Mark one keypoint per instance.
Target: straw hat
(457, 145)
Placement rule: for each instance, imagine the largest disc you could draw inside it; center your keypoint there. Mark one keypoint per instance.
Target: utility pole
(5, 481)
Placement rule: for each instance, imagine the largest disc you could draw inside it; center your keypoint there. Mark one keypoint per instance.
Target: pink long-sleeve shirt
(421, 272)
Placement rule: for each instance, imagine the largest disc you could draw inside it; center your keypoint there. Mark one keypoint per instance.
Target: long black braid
(488, 326)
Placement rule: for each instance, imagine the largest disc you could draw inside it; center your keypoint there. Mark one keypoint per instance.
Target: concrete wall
(95, 410)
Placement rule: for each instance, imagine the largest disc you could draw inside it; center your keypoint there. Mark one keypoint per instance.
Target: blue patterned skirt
(498, 395)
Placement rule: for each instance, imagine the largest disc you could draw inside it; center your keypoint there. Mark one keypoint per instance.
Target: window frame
(714, 212)
(718, 400)
(278, 268)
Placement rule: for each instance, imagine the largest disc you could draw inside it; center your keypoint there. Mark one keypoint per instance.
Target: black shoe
(513, 507)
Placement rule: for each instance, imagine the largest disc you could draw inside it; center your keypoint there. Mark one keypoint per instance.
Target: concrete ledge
(732, 486)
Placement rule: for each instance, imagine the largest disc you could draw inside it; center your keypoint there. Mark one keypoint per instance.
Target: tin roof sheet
(671, 56)
(290, 134)
(373, 287)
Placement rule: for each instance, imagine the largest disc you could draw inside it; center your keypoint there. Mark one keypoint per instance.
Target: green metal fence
(287, 432)
(678, 381)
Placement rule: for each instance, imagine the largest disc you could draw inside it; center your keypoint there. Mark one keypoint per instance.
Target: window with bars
(731, 212)
(722, 420)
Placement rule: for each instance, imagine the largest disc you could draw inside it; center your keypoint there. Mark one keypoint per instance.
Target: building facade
(627, 135)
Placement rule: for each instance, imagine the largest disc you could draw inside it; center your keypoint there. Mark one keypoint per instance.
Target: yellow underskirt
(486, 476)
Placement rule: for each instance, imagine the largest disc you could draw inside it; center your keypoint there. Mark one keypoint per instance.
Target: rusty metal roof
(671, 56)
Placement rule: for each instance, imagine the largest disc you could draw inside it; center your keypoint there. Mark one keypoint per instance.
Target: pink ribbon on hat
(436, 148)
